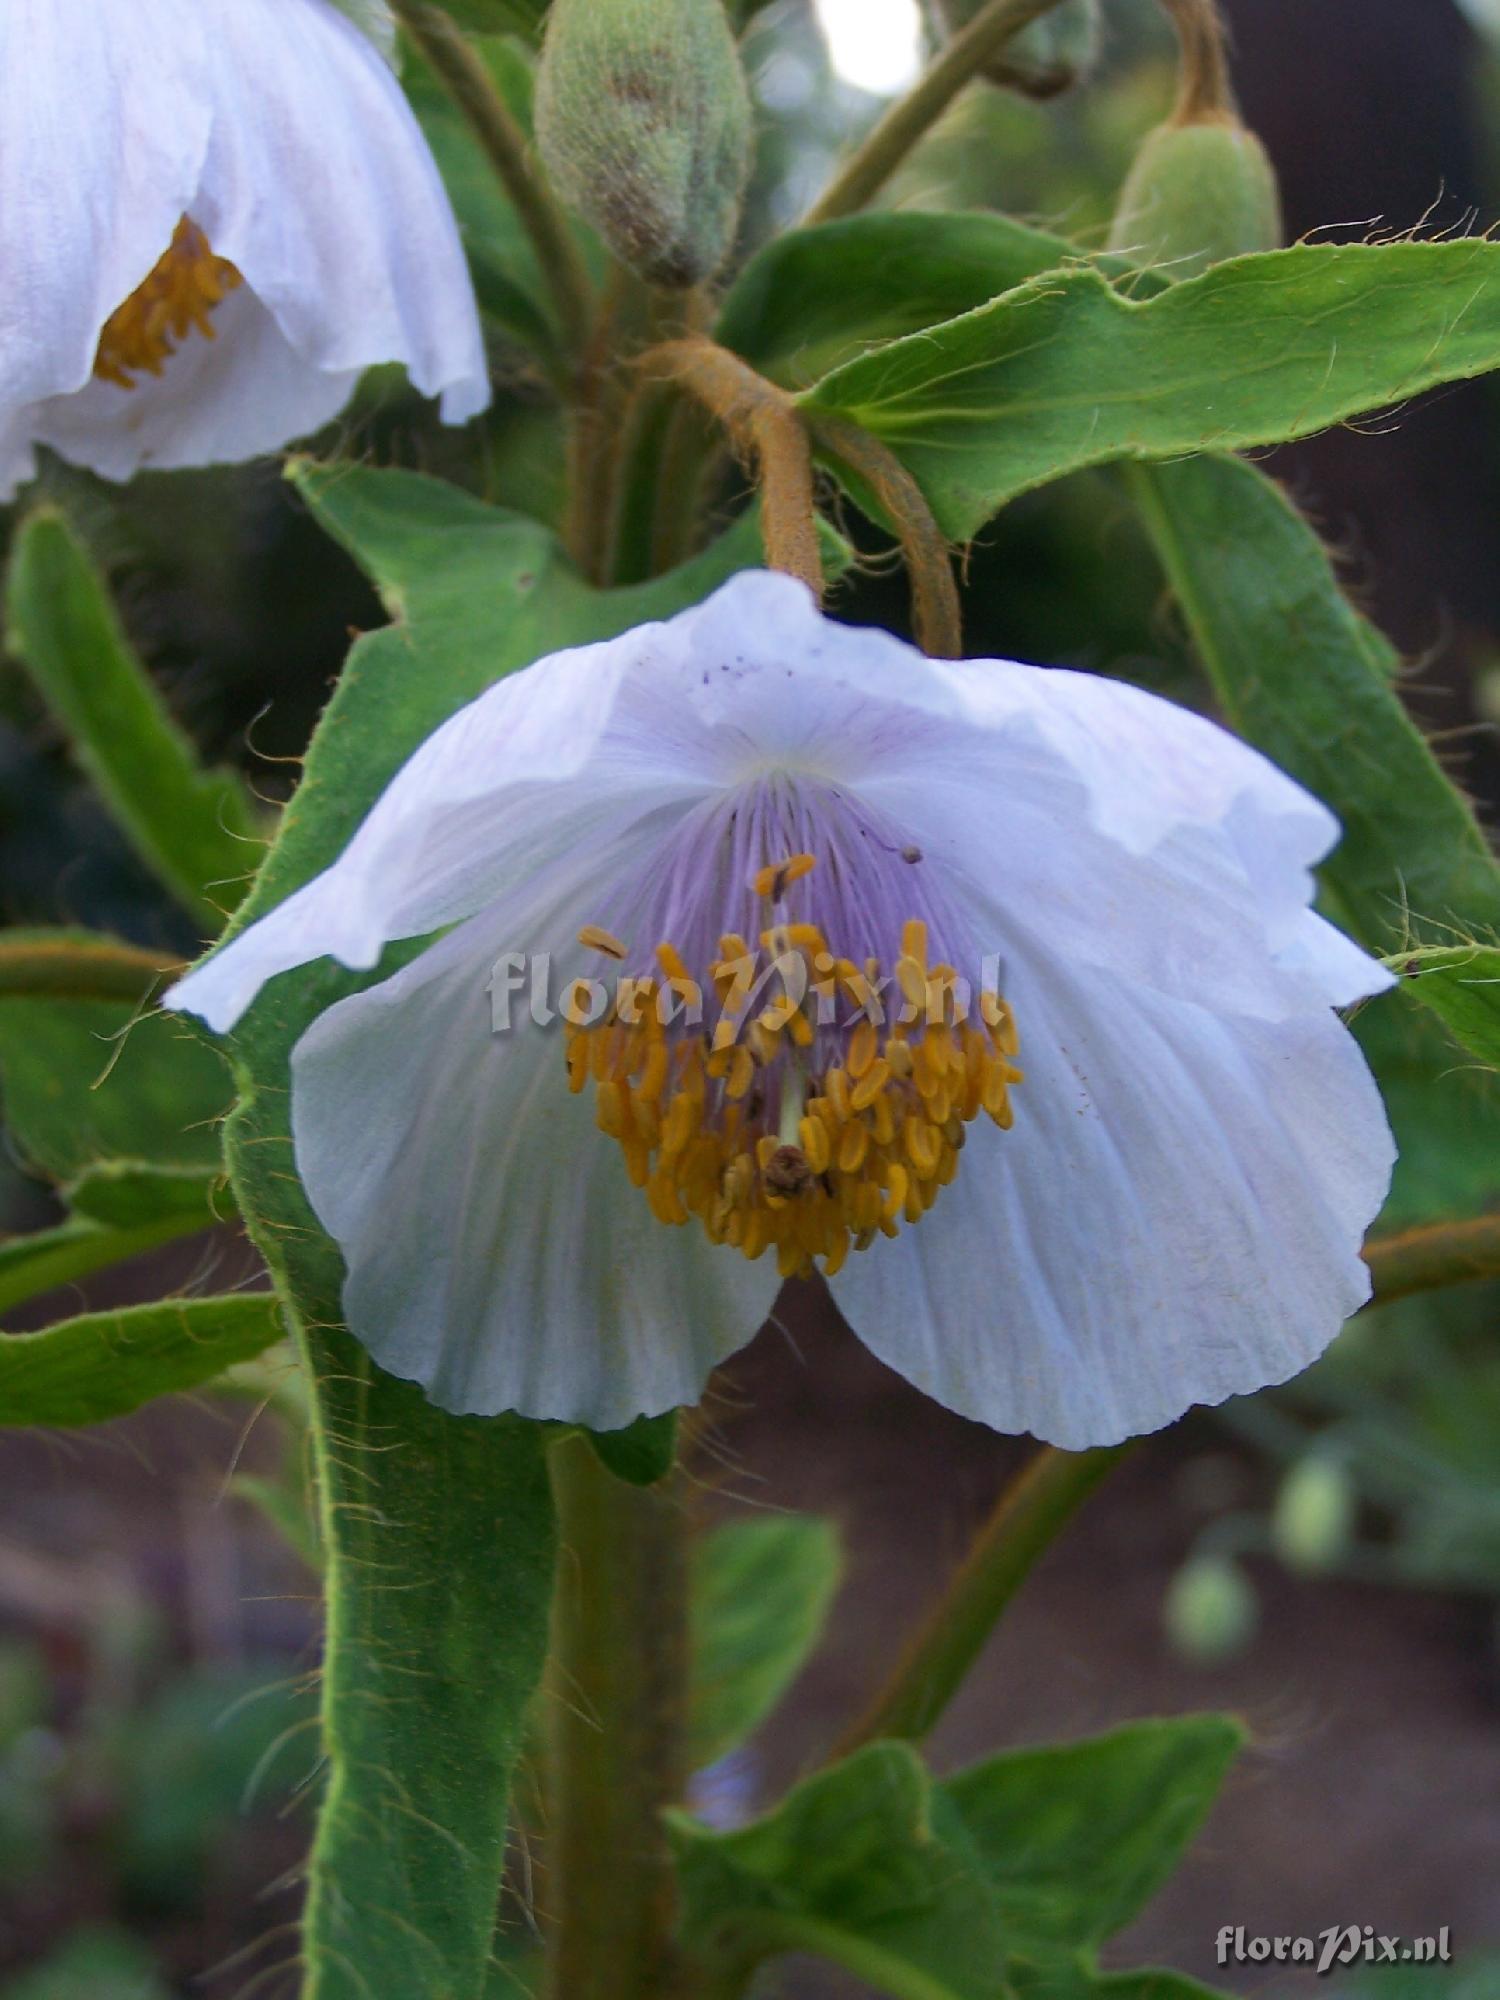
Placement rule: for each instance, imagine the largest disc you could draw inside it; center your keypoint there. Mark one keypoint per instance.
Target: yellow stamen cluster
(742, 1130)
(178, 298)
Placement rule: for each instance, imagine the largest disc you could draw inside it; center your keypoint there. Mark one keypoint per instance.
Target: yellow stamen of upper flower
(177, 298)
(753, 1131)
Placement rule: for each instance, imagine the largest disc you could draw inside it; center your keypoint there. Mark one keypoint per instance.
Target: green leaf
(49, 1258)
(1461, 982)
(1068, 371)
(1444, 1111)
(761, 1594)
(848, 1866)
(1308, 680)
(1076, 1838)
(92, 1080)
(108, 1364)
(437, 1529)
(642, 1453)
(195, 829)
(816, 298)
(129, 1194)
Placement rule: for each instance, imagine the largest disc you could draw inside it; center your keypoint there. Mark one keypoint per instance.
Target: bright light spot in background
(874, 44)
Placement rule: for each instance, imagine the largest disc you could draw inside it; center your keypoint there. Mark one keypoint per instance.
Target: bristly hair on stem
(765, 427)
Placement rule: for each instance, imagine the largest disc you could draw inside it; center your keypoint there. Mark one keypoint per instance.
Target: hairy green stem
(1026, 1520)
(1427, 1259)
(462, 72)
(1203, 88)
(616, 1711)
(910, 118)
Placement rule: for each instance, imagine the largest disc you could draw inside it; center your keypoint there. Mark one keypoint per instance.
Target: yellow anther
(882, 1120)
(813, 1134)
(669, 958)
(1001, 1022)
(924, 1148)
(679, 1123)
(863, 1046)
(837, 1255)
(898, 1055)
(612, 1109)
(874, 1080)
(896, 1186)
(911, 977)
(836, 1089)
(914, 941)
(854, 1145)
(773, 882)
(654, 1071)
(177, 297)
(741, 1073)
(592, 938)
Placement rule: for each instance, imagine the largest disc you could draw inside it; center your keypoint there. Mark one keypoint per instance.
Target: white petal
(106, 123)
(532, 770)
(217, 402)
(497, 1252)
(318, 184)
(1175, 1217)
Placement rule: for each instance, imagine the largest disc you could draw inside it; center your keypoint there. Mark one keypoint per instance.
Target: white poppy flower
(1166, 1209)
(214, 215)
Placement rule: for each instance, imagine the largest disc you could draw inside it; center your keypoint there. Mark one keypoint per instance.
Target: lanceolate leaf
(438, 1529)
(194, 829)
(1301, 674)
(1070, 370)
(107, 1364)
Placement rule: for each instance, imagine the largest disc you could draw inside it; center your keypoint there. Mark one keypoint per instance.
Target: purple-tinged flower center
(793, 1056)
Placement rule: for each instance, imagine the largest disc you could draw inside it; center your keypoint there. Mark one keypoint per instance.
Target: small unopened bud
(643, 119)
(1210, 1609)
(1195, 195)
(1314, 1514)
(1048, 56)
(1202, 187)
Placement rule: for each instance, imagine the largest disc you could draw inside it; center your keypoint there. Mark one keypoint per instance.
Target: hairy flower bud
(1196, 194)
(1047, 57)
(643, 118)
(1314, 1514)
(1210, 1609)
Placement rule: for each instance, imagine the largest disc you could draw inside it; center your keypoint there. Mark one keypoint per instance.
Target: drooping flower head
(757, 921)
(214, 216)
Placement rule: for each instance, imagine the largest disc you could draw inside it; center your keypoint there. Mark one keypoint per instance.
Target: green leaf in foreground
(1068, 371)
(1300, 673)
(108, 1364)
(849, 1866)
(195, 829)
(1003, 1880)
(761, 1593)
(437, 1529)
(1075, 1838)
